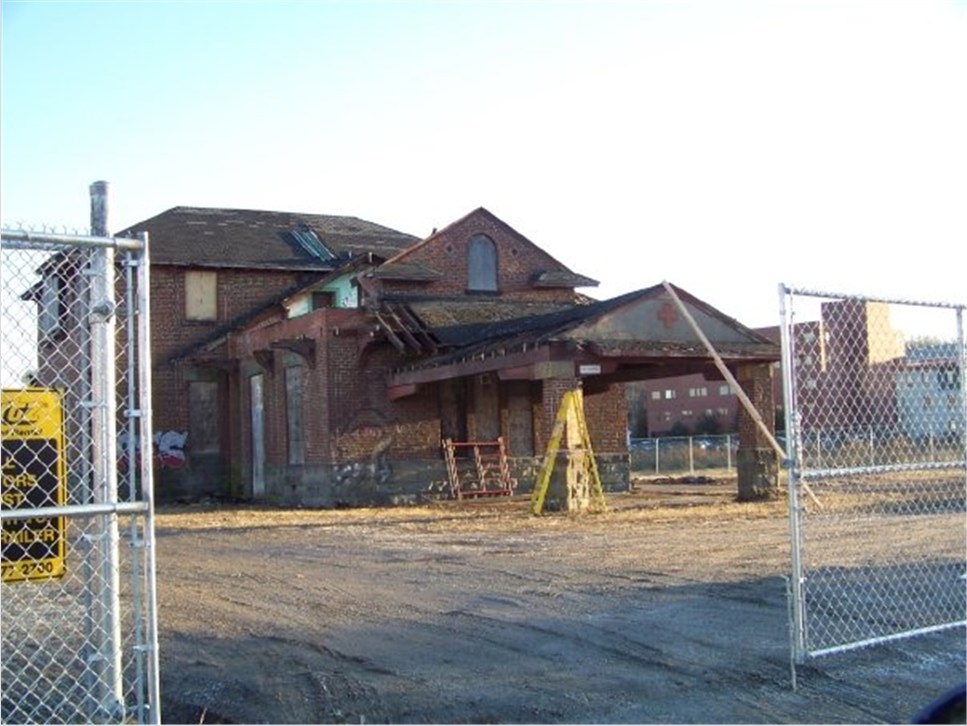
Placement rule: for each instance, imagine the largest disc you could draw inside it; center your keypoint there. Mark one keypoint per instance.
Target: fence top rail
(812, 474)
(792, 290)
(22, 239)
(73, 510)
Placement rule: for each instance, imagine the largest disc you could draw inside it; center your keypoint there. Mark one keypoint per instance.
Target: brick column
(557, 498)
(757, 462)
(553, 391)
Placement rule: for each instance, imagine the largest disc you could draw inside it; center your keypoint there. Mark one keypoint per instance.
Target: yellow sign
(33, 469)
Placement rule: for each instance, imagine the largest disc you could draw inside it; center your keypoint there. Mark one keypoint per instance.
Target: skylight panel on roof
(310, 242)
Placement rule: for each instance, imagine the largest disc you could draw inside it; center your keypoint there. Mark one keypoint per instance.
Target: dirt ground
(669, 608)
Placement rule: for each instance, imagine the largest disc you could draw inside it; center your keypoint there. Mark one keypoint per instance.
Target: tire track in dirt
(447, 617)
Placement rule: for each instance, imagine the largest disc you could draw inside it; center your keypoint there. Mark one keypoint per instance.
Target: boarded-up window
(203, 421)
(481, 264)
(201, 295)
(453, 409)
(486, 408)
(294, 386)
(520, 418)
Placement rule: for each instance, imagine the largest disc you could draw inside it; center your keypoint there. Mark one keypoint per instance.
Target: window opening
(201, 295)
(481, 264)
(309, 241)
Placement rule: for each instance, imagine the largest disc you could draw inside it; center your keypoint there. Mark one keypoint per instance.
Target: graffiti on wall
(169, 448)
(365, 447)
(362, 447)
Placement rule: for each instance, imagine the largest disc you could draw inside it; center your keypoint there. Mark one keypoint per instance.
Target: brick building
(846, 363)
(685, 405)
(320, 360)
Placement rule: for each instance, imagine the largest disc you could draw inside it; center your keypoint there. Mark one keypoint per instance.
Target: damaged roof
(640, 323)
(272, 240)
(460, 321)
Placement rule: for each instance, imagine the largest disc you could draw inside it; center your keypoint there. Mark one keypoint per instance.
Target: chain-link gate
(875, 419)
(79, 630)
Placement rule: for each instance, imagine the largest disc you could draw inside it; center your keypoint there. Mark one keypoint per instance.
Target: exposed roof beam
(418, 327)
(404, 330)
(393, 338)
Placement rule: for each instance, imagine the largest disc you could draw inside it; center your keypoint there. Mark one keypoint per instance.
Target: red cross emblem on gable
(667, 315)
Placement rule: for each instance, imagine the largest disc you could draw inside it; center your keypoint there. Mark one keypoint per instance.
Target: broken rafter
(404, 330)
(393, 338)
(416, 325)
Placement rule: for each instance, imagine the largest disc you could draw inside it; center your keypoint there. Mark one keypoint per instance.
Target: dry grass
(512, 514)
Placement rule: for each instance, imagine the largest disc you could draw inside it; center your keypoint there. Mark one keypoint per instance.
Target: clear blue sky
(724, 146)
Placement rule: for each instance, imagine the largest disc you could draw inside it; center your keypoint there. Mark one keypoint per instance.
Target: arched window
(481, 264)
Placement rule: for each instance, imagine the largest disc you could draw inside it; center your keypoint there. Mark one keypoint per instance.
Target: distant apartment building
(853, 372)
(929, 396)
(686, 404)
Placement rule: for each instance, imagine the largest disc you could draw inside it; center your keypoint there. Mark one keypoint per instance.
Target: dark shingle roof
(252, 238)
(482, 337)
(460, 321)
(563, 278)
(409, 271)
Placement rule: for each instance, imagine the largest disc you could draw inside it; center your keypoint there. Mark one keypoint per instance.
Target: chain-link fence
(79, 634)
(667, 455)
(878, 481)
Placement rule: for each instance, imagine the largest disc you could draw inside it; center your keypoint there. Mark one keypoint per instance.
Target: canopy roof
(638, 335)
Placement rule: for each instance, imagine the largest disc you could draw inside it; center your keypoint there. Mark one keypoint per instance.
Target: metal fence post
(76, 646)
(146, 471)
(793, 447)
(105, 484)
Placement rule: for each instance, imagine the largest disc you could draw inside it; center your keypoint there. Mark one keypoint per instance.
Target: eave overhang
(600, 363)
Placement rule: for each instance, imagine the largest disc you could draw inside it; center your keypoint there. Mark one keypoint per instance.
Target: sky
(725, 146)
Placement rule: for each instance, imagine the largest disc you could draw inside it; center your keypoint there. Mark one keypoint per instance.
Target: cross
(667, 315)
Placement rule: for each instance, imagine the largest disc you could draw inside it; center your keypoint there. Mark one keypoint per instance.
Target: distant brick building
(320, 360)
(685, 405)
(850, 364)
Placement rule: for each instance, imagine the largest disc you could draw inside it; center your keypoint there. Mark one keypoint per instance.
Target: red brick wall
(518, 261)
(607, 417)
(605, 414)
(364, 423)
(239, 291)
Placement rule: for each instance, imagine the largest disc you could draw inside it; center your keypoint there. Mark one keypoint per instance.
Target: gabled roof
(402, 267)
(263, 239)
(644, 323)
